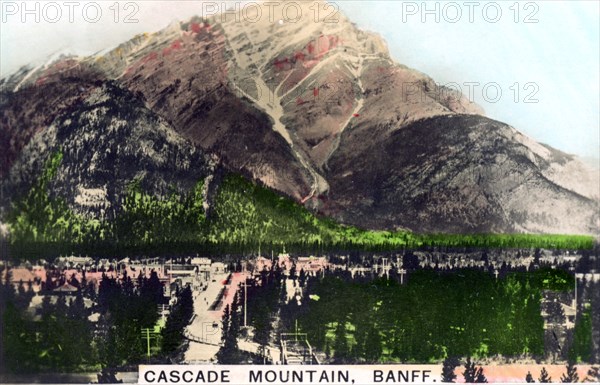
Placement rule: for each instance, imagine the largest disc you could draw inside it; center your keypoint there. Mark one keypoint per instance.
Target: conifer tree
(544, 377)
(340, 347)
(472, 374)
(373, 348)
(448, 368)
(571, 375)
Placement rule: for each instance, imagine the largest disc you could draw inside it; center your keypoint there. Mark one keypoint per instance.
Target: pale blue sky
(560, 53)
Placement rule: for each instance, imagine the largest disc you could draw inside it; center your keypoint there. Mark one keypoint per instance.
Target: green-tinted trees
(245, 217)
(229, 352)
(373, 345)
(124, 313)
(341, 349)
(179, 318)
(16, 342)
(581, 350)
(503, 317)
(52, 343)
(146, 220)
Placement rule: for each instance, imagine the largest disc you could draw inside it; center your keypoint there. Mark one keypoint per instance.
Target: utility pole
(575, 304)
(148, 340)
(146, 334)
(245, 302)
(402, 272)
(385, 268)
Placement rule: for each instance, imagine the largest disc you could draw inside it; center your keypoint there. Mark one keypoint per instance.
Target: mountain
(316, 111)
(107, 141)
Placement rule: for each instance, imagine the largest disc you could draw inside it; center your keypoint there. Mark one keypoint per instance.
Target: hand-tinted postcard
(299, 192)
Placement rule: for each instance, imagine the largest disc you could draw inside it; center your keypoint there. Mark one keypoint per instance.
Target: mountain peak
(320, 112)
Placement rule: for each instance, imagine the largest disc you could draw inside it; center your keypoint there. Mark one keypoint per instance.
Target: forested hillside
(243, 217)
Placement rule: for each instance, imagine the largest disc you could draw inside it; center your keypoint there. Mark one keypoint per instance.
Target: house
(73, 261)
(218, 268)
(311, 265)
(21, 275)
(202, 267)
(66, 288)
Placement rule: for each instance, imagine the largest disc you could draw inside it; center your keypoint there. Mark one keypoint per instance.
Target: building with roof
(65, 288)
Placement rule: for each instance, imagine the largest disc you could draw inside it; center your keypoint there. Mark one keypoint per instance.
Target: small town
(250, 310)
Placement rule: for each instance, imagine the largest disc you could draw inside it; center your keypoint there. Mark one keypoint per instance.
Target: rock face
(317, 111)
(107, 141)
(30, 109)
(456, 173)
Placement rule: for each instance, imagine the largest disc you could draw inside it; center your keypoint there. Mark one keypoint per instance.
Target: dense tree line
(229, 352)
(433, 316)
(179, 317)
(62, 338)
(125, 309)
(586, 336)
(244, 217)
(263, 304)
(582, 345)
(48, 341)
(39, 218)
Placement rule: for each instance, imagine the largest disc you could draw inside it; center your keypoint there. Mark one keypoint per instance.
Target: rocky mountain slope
(317, 111)
(106, 142)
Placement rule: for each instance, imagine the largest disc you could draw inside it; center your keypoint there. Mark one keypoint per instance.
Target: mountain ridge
(319, 113)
